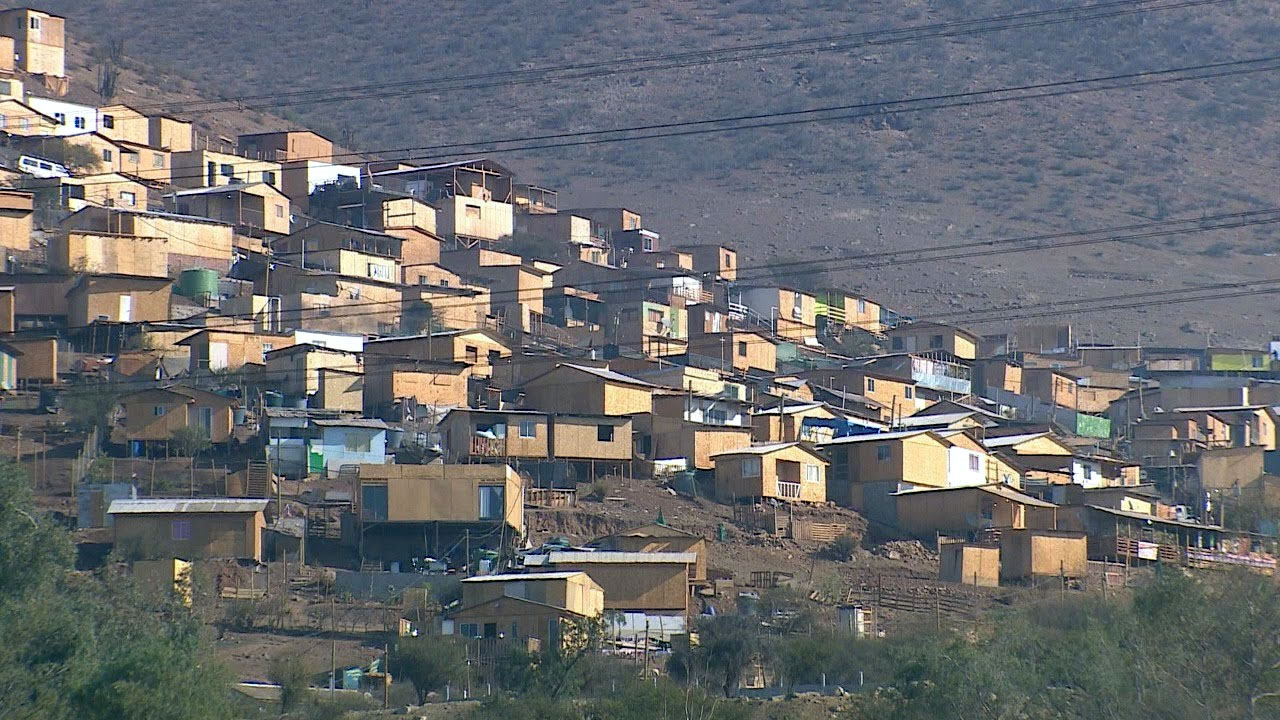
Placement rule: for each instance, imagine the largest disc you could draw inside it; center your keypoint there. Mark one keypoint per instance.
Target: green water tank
(197, 283)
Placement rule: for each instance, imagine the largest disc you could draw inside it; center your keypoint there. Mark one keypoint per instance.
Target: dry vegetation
(822, 190)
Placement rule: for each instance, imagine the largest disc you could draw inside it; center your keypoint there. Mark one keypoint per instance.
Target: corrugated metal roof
(560, 556)
(801, 407)
(518, 577)
(1008, 440)
(352, 422)
(756, 449)
(939, 420)
(1003, 491)
(610, 375)
(874, 437)
(186, 505)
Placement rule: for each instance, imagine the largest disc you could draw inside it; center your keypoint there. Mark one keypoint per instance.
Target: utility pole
(333, 647)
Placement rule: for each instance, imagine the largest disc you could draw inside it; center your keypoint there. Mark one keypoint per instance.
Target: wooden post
(386, 669)
(152, 493)
(937, 607)
(18, 454)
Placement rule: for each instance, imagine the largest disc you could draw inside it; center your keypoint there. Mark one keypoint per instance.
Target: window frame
(531, 426)
(751, 467)
(884, 452)
(605, 433)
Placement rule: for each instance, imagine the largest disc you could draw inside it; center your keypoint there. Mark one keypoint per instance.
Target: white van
(41, 168)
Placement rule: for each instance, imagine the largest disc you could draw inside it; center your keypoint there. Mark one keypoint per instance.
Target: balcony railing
(488, 447)
(789, 490)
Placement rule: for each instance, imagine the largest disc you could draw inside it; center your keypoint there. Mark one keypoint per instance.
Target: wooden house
(660, 537)
(192, 529)
(789, 472)
(581, 389)
(931, 336)
(153, 415)
(525, 606)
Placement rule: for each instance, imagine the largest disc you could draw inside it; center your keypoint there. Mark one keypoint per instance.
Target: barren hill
(815, 190)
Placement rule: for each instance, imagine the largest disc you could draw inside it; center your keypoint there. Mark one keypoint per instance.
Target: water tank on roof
(197, 284)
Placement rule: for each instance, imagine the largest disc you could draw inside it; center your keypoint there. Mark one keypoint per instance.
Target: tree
(75, 157)
(189, 441)
(289, 671)
(429, 662)
(75, 646)
(90, 406)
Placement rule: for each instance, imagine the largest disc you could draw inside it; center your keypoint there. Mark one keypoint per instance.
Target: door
(126, 308)
(217, 356)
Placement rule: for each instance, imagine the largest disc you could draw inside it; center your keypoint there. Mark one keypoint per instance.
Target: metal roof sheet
(186, 505)
(561, 556)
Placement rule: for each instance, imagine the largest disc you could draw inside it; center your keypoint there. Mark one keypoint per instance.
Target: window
(79, 122)
(4, 120)
(128, 198)
(897, 343)
(871, 385)
(24, 123)
(1256, 361)
(279, 211)
(158, 410)
(373, 502)
(742, 348)
(180, 529)
(491, 501)
(862, 305)
(357, 442)
(472, 211)
(469, 630)
(988, 511)
(473, 355)
(444, 282)
(106, 155)
(379, 272)
(935, 341)
(1088, 472)
(648, 244)
(157, 161)
(266, 348)
(908, 392)
(728, 260)
(973, 462)
(750, 467)
(60, 117)
(108, 121)
(268, 177)
(35, 23)
(716, 417)
(227, 170)
(812, 473)
(884, 453)
(604, 433)
(528, 429)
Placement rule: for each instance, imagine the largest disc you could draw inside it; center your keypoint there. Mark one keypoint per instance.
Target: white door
(217, 356)
(126, 308)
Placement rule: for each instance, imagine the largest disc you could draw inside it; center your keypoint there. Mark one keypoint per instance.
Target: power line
(737, 53)
(773, 271)
(756, 121)
(999, 314)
